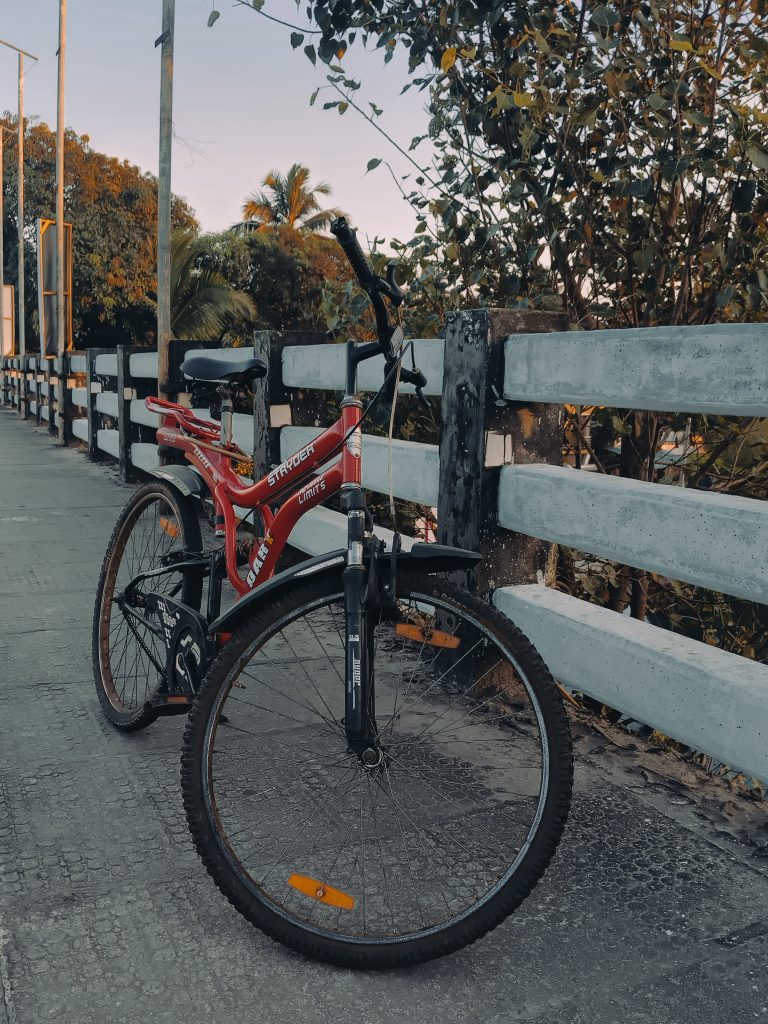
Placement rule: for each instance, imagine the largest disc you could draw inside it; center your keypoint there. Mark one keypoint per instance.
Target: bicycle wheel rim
(340, 931)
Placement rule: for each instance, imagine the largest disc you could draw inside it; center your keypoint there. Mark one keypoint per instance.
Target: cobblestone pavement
(651, 911)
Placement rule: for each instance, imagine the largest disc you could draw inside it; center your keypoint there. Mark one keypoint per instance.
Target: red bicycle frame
(199, 439)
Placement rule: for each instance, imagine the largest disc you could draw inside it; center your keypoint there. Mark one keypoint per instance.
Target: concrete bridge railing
(504, 373)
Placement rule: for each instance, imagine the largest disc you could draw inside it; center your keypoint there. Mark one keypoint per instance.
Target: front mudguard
(425, 558)
(184, 479)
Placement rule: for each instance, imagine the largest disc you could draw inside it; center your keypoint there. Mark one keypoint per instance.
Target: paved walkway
(655, 909)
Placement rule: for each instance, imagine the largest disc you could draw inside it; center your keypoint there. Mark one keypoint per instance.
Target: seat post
(226, 414)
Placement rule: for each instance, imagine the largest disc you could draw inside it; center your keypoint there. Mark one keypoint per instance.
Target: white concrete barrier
(108, 441)
(323, 367)
(712, 540)
(718, 368)
(106, 402)
(704, 697)
(106, 364)
(322, 529)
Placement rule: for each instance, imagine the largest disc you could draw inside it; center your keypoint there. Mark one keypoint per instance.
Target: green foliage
(203, 304)
(285, 272)
(112, 206)
(611, 160)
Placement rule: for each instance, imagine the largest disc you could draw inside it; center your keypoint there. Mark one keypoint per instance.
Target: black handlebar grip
(347, 238)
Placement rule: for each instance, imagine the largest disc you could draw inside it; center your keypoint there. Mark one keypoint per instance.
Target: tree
(289, 199)
(203, 303)
(288, 274)
(112, 205)
(610, 160)
(607, 159)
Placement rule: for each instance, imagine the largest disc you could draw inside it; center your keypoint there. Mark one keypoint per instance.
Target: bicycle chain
(160, 668)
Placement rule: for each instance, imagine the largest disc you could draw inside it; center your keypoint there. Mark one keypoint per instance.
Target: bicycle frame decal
(295, 460)
(286, 485)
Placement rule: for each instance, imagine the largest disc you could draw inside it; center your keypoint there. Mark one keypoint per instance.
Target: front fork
(359, 704)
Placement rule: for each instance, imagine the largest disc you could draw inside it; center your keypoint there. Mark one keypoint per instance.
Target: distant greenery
(279, 274)
(287, 274)
(112, 205)
(203, 303)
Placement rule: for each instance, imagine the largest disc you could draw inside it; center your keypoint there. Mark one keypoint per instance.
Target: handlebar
(375, 286)
(347, 239)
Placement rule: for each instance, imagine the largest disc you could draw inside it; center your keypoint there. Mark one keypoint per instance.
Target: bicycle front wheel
(395, 863)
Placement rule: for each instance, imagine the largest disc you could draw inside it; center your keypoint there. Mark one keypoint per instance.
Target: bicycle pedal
(167, 704)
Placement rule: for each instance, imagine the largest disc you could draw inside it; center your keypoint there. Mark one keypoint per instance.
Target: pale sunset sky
(241, 102)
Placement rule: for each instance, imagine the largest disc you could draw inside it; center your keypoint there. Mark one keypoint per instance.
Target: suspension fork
(359, 703)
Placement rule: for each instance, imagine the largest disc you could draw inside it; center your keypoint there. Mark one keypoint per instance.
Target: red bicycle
(376, 766)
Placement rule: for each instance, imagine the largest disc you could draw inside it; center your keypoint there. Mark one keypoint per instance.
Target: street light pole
(20, 214)
(164, 199)
(2, 251)
(20, 190)
(61, 326)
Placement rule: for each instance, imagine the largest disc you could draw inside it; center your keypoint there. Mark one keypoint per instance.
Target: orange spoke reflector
(427, 636)
(169, 527)
(322, 892)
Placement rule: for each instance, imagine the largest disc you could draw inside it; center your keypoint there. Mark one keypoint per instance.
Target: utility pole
(2, 251)
(20, 189)
(61, 325)
(20, 215)
(164, 199)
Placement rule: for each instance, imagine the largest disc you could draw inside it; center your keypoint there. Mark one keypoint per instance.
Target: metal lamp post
(20, 190)
(164, 199)
(61, 326)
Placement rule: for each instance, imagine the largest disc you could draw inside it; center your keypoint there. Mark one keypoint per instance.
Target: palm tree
(289, 199)
(203, 303)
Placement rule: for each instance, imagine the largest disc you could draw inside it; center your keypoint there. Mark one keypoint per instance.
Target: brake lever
(423, 401)
(390, 287)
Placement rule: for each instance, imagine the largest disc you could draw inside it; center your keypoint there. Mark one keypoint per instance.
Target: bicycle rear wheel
(407, 860)
(128, 659)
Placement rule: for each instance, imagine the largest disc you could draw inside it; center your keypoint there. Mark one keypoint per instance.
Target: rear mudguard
(427, 558)
(185, 479)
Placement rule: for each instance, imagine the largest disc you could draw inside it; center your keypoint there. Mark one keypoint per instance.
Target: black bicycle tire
(406, 952)
(186, 511)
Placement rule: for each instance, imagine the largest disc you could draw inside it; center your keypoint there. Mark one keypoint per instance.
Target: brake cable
(394, 368)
